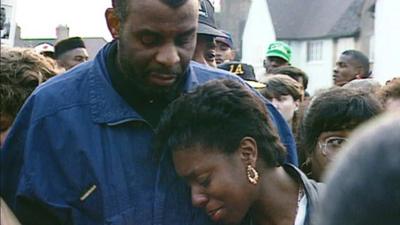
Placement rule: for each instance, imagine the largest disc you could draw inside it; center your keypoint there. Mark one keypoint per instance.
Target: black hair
(121, 6)
(218, 115)
(364, 183)
(292, 72)
(336, 109)
(360, 58)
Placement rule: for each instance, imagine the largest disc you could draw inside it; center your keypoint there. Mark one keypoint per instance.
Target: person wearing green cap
(278, 54)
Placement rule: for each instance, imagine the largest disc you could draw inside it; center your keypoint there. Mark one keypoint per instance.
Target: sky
(39, 18)
(85, 18)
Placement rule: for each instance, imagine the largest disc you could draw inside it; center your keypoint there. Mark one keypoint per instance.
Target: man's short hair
(121, 6)
(336, 109)
(360, 58)
(219, 114)
(292, 72)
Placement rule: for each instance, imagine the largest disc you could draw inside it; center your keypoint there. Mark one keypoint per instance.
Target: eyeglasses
(332, 144)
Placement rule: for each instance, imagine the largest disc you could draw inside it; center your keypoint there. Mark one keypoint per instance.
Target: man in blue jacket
(79, 152)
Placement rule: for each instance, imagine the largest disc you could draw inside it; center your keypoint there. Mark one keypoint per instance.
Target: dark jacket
(79, 154)
(312, 190)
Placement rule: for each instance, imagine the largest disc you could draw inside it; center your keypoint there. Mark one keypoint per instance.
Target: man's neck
(149, 107)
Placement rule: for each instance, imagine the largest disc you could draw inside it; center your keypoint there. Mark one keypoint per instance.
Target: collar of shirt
(107, 105)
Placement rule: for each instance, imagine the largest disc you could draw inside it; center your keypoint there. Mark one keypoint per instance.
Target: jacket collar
(312, 189)
(106, 105)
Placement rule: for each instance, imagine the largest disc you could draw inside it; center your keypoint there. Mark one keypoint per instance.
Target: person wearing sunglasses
(328, 121)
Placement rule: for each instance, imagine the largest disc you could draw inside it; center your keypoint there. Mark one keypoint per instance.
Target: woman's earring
(252, 174)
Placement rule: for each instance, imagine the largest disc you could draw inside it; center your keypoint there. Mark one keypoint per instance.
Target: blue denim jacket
(78, 154)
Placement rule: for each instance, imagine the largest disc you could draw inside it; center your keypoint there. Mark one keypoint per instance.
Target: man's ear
(113, 22)
(233, 55)
(248, 151)
(359, 72)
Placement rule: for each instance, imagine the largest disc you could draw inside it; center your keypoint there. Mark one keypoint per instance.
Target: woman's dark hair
(278, 85)
(292, 72)
(370, 160)
(218, 115)
(336, 109)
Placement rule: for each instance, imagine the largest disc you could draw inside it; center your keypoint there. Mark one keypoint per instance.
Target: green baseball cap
(279, 49)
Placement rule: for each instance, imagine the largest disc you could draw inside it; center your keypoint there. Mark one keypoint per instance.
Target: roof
(312, 19)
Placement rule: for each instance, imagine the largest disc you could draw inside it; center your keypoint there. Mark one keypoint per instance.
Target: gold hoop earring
(252, 174)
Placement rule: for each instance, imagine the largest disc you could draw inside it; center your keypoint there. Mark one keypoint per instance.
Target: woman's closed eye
(204, 181)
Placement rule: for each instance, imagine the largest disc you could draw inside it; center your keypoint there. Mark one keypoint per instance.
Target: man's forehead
(276, 59)
(160, 18)
(221, 43)
(77, 52)
(166, 3)
(156, 9)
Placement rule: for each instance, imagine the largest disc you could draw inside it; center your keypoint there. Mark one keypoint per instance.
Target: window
(314, 51)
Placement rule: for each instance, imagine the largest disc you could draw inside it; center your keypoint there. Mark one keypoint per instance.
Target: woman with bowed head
(222, 143)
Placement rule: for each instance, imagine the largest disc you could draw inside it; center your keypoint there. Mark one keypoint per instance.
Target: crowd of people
(166, 126)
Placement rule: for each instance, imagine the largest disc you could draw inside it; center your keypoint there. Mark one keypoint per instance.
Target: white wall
(387, 40)
(344, 44)
(255, 37)
(319, 72)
